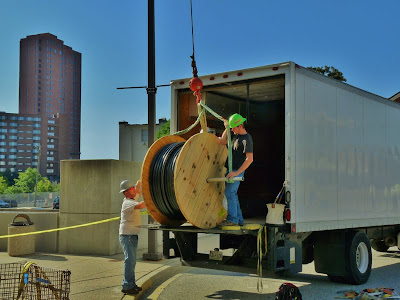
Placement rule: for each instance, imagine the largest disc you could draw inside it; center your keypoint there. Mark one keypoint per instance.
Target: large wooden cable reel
(201, 157)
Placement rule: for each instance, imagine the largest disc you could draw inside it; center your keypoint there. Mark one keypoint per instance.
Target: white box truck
(336, 147)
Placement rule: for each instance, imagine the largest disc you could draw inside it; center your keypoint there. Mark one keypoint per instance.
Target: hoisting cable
(191, 126)
(193, 60)
(163, 165)
(196, 85)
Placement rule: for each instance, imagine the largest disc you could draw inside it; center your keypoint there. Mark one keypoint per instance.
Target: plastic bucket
(275, 214)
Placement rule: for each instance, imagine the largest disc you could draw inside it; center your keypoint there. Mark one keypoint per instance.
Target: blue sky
(359, 37)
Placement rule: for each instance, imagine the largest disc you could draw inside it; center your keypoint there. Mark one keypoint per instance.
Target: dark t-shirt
(241, 144)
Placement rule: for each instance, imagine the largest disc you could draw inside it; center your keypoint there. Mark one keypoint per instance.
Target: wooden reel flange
(201, 157)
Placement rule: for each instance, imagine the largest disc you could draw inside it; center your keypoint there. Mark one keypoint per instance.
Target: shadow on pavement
(227, 294)
(47, 257)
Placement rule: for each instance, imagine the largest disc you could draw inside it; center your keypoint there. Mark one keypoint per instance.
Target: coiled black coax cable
(162, 181)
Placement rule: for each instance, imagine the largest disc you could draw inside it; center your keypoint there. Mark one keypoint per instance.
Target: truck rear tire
(379, 245)
(358, 258)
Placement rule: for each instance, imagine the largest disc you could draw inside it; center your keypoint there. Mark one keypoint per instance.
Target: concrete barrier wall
(43, 220)
(90, 192)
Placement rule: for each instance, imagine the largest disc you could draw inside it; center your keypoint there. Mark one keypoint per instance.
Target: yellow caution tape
(145, 212)
(59, 229)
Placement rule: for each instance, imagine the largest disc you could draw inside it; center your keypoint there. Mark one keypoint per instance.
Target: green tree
(25, 183)
(330, 72)
(45, 185)
(3, 185)
(9, 176)
(164, 130)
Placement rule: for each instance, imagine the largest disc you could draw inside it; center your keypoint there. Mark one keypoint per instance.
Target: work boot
(227, 223)
(133, 291)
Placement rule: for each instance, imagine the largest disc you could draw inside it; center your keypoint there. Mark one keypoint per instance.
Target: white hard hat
(125, 185)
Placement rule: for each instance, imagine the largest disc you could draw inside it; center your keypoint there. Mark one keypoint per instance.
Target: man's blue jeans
(234, 211)
(129, 245)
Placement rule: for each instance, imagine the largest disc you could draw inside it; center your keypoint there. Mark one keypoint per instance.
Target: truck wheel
(358, 258)
(335, 278)
(379, 245)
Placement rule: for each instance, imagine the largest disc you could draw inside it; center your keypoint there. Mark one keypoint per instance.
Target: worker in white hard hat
(129, 230)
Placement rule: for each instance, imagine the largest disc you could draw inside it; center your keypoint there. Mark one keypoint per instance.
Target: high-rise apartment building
(21, 143)
(49, 107)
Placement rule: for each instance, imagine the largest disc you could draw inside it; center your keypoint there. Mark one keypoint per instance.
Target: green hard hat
(236, 120)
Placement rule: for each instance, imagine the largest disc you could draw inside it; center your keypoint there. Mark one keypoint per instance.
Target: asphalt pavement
(177, 282)
(95, 277)
(99, 277)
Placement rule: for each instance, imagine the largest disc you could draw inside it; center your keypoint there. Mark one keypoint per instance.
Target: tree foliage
(330, 72)
(164, 130)
(45, 186)
(9, 176)
(3, 185)
(25, 183)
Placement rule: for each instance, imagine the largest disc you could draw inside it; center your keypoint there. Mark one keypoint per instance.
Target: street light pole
(37, 175)
(152, 253)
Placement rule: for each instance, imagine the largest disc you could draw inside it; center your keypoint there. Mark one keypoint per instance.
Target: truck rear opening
(261, 102)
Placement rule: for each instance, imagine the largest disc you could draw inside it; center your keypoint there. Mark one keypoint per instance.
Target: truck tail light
(288, 214)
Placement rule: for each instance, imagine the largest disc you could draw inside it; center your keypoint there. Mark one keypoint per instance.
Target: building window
(4, 124)
(50, 133)
(50, 170)
(50, 146)
(36, 131)
(36, 138)
(3, 130)
(2, 156)
(3, 137)
(12, 143)
(12, 163)
(50, 158)
(3, 150)
(145, 135)
(2, 169)
(52, 122)
(3, 144)
(12, 156)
